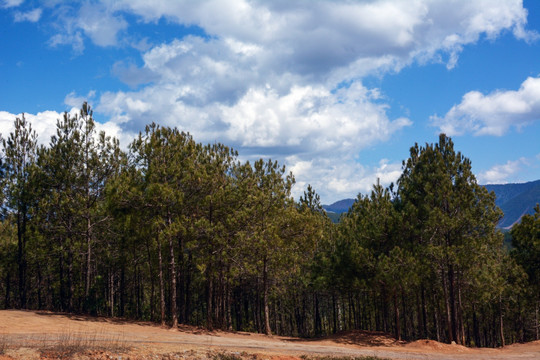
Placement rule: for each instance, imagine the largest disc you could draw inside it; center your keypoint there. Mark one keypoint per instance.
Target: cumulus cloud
(493, 114)
(317, 133)
(310, 118)
(305, 119)
(284, 79)
(335, 180)
(44, 124)
(281, 79)
(317, 37)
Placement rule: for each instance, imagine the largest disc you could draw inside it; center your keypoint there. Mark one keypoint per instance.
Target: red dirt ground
(46, 335)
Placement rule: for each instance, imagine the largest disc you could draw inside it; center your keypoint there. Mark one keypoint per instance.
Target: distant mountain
(515, 200)
(335, 210)
(340, 206)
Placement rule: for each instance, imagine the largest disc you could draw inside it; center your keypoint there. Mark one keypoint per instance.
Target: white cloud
(92, 19)
(316, 131)
(493, 114)
(317, 37)
(69, 33)
(513, 171)
(312, 118)
(307, 119)
(75, 101)
(335, 180)
(281, 79)
(11, 3)
(44, 123)
(100, 25)
(269, 79)
(500, 173)
(31, 16)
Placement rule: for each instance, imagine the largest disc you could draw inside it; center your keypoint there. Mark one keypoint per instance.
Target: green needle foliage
(179, 232)
(19, 158)
(526, 252)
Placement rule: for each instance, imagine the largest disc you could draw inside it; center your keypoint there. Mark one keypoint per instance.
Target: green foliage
(526, 243)
(180, 232)
(18, 197)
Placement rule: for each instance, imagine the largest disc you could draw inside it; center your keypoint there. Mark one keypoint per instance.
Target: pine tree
(20, 156)
(451, 221)
(73, 172)
(526, 243)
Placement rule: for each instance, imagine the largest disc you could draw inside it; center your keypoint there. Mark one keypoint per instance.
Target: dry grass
(70, 343)
(227, 356)
(4, 343)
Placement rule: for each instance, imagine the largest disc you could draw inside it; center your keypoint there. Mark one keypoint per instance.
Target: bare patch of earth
(46, 335)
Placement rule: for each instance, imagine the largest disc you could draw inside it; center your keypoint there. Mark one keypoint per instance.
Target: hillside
(335, 210)
(340, 206)
(515, 200)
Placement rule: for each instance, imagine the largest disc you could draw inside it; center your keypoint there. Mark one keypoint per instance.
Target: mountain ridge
(514, 199)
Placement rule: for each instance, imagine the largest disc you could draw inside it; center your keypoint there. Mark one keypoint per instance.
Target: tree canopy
(175, 231)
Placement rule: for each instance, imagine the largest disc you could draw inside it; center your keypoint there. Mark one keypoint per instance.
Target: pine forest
(178, 232)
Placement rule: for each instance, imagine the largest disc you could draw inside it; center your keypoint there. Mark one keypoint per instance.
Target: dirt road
(23, 332)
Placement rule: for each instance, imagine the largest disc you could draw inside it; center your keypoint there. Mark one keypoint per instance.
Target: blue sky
(336, 90)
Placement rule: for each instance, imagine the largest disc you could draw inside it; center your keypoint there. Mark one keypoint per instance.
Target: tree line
(175, 231)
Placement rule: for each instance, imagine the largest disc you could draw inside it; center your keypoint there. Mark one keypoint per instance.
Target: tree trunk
(174, 313)
(447, 308)
(461, 327)
(501, 324)
(187, 273)
(122, 311)
(228, 306)
(536, 320)
(7, 299)
(406, 322)
(476, 332)
(161, 283)
(334, 309)
(21, 260)
(71, 284)
(453, 312)
(111, 292)
(152, 285)
(396, 314)
(88, 261)
(39, 287)
(317, 324)
(424, 313)
(209, 302)
(61, 279)
(267, 329)
(437, 317)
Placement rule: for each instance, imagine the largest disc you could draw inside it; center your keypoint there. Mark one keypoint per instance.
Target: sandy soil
(45, 335)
